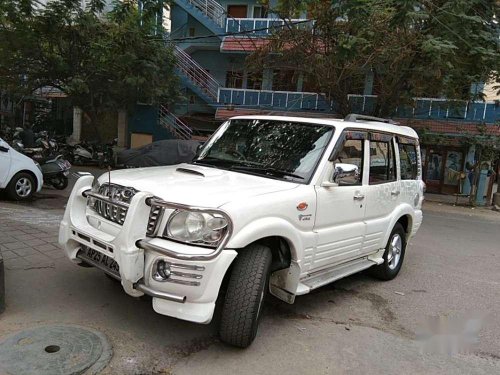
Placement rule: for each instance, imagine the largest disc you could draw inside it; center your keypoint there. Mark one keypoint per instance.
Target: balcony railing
(433, 108)
(212, 9)
(263, 26)
(288, 100)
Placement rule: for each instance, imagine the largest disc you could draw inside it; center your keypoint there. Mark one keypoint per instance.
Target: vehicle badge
(302, 206)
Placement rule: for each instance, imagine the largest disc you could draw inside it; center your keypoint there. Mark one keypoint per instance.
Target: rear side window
(408, 161)
(382, 165)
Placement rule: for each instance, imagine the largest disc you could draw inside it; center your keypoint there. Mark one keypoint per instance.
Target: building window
(237, 11)
(254, 81)
(259, 11)
(285, 80)
(234, 79)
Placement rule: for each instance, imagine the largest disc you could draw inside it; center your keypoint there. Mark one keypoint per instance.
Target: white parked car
(270, 204)
(20, 176)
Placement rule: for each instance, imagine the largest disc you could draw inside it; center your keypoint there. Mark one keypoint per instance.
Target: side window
(382, 163)
(408, 161)
(349, 163)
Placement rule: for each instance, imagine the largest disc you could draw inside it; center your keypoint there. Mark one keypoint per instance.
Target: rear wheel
(393, 256)
(60, 182)
(21, 187)
(245, 296)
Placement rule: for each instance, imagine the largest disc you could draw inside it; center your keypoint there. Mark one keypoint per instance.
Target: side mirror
(346, 174)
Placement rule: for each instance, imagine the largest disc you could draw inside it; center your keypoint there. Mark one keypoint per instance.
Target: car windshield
(284, 150)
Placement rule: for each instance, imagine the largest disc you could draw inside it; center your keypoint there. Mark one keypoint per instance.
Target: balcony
(433, 108)
(287, 100)
(262, 27)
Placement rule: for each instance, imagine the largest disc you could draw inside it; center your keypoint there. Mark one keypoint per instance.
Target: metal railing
(434, 108)
(273, 99)
(196, 73)
(264, 26)
(173, 124)
(212, 9)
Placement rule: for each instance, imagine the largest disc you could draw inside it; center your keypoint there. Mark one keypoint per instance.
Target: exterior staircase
(173, 124)
(208, 12)
(196, 78)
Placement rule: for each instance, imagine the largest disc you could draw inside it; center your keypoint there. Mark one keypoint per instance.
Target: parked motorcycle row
(55, 156)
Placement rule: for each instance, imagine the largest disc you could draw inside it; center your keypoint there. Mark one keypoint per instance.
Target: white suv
(270, 204)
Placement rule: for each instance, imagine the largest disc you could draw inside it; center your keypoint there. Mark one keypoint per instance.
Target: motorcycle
(55, 172)
(85, 153)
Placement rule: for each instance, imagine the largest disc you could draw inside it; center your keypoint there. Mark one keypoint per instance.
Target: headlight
(196, 227)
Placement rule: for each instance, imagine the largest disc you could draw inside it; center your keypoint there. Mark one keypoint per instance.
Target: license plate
(99, 260)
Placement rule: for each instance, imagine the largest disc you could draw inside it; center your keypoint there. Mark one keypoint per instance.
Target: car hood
(196, 185)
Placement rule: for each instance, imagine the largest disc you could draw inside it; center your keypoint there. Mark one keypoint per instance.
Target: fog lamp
(162, 272)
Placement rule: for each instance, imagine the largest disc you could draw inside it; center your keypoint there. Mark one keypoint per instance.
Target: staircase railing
(212, 9)
(173, 124)
(196, 73)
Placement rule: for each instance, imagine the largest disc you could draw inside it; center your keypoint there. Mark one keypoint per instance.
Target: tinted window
(351, 153)
(408, 161)
(381, 162)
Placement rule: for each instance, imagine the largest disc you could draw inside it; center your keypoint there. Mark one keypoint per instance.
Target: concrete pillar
(122, 129)
(267, 79)
(369, 77)
(77, 125)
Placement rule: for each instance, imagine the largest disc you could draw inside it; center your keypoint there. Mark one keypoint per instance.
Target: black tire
(13, 190)
(245, 296)
(60, 182)
(388, 270)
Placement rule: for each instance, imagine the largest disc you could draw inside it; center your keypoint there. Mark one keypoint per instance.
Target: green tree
(412, 48)
(101, 61)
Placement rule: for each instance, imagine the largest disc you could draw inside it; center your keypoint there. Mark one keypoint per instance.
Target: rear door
(4, 162)
(382, 192)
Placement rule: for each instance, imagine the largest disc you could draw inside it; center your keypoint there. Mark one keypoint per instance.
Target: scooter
(55, 172)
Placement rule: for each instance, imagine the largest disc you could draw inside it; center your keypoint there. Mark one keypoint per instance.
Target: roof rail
(355, 118)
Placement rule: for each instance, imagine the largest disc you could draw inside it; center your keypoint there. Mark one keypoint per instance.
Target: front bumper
(182, 297)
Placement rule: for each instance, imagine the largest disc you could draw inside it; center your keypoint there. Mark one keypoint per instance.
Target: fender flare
(402, 210)
(268, 227)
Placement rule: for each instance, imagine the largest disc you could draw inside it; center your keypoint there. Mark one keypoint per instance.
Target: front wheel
(21, 187)
(245, 296)
(393, 255)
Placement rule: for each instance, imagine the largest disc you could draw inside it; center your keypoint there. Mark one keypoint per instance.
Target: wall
(144, 119)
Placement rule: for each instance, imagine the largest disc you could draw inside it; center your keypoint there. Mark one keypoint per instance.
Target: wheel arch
(27, 171)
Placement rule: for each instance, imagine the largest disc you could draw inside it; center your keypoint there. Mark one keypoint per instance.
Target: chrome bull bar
(147, 245)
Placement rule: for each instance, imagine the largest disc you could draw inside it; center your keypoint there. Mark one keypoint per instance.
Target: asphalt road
(447, 292)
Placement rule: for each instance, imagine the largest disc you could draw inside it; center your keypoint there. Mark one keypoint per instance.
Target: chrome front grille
(155, 216)
(117, 193)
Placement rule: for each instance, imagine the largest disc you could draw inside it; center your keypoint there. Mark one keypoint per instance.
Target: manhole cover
(60, 349)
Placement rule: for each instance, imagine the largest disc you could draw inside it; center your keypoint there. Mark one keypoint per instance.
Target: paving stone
(45, 248)
(57, 254)
(35, 242)
(25, 251)
(8, 255)
(4, 239)
(31, 231)
(14, 245)
(39, 260)
(16, 263)
(24, 237)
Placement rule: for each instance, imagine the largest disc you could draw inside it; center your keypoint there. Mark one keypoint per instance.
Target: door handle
(358, 197)
(395, 192)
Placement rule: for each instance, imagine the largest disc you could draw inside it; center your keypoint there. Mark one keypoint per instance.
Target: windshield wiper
(265, 170)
